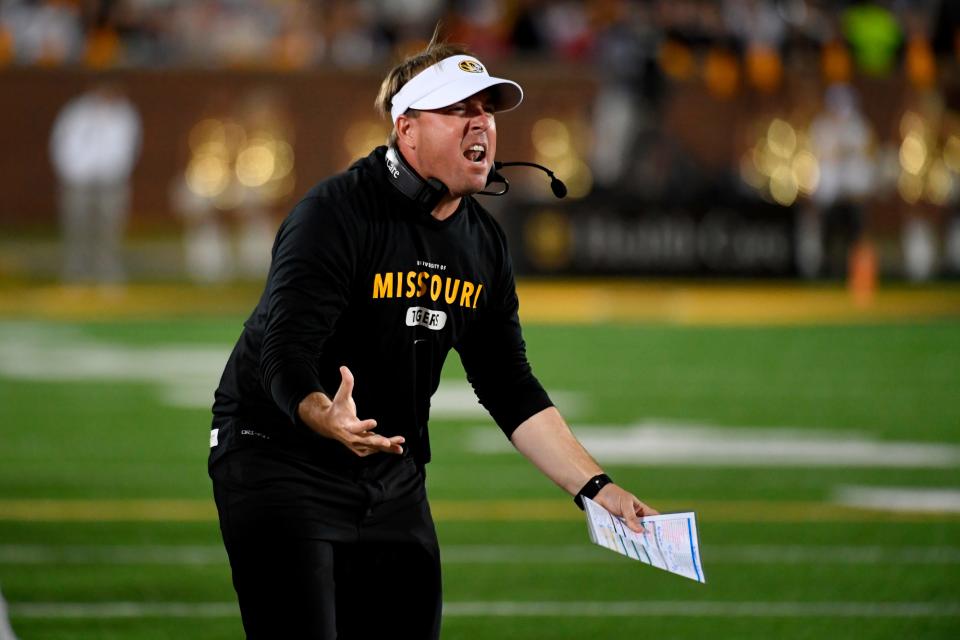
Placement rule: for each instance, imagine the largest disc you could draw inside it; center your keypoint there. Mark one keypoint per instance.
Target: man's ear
(406, 132)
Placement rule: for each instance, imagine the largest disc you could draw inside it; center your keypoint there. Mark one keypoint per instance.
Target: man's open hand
(337, 419)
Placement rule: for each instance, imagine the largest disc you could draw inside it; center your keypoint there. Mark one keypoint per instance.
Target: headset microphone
(427, 193)
(559, 189)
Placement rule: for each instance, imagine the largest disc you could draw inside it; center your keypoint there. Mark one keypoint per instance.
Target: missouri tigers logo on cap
(471, 65)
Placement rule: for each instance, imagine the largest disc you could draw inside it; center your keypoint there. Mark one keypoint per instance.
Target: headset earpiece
(426, 193)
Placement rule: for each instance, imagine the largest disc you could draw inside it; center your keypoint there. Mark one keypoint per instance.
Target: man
(94, 147)
(320, 429)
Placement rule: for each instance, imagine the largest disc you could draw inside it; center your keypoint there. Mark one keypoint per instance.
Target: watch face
(596, 483)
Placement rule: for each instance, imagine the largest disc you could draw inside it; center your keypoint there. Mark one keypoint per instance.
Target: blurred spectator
(624, 112)
(406, 21)
(481, 25)
(206, 245)
(567, 28)
(842, 141)
(758, 23)
(351, 33)
(951, 249)
(43, 33)
(922, 130)
(919, 248)
(352, 43)
(94, 147)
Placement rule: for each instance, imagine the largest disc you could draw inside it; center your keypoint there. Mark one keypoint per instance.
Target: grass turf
(110, 439)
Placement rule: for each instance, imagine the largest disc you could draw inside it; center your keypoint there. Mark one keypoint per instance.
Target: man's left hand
(621, 502)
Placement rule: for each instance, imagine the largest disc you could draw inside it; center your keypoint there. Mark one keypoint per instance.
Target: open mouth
(475, 153)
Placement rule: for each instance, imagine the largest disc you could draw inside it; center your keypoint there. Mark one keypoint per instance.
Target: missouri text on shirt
(413, 284)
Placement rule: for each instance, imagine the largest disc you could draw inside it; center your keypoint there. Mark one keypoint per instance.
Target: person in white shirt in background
(94, 147)
(843, 142)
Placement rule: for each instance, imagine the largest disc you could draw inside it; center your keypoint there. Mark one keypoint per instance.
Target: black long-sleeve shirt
(362, 277)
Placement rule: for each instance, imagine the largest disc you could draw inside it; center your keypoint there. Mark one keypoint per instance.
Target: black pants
(324, 555)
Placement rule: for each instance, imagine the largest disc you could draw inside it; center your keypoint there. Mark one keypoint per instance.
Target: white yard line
(709, 609)
(49, 610)
(666, 608)
(663, 443)
(912, 499)
(712, 554)
(32, 554)
(6, 633)
(185, 375)
(53, 555)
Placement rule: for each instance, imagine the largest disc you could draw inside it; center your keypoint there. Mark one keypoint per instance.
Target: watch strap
(592, 488)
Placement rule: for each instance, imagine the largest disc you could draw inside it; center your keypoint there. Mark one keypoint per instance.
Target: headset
(427, 193)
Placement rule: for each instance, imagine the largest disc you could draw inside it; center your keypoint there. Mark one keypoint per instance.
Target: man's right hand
(337, 419)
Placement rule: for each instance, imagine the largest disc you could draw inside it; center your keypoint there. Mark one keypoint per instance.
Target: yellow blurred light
(549, 239)
(806, 171)
(910, 187)
(783, 186)
(912, 123)
(581, 180)
(939, 184)
(551, 137)
(212, 148)
(363, 135)
(260, 139)
(235, 136)
(279, 187)
(951, 153)
(765, 159)
(263, 136)
(913, 154)
(283, 159)
(206, 132)
(255, 165)
(749, 172)
(782, 138)
(207, 176)
(573, 171)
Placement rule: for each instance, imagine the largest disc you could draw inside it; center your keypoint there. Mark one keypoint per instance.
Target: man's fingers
(366, 442)
(362, 426)
(359, 435)
(345, 392)
(631, 519)
(646, 510)
(640, 510)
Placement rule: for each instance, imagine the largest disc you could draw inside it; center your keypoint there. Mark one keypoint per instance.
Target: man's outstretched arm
(546, 440)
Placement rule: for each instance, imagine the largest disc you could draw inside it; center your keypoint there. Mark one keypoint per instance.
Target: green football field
(823, 462)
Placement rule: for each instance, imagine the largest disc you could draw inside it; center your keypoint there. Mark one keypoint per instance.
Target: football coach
(319, 440)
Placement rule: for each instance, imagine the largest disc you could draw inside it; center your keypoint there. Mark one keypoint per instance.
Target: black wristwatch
(591, 489)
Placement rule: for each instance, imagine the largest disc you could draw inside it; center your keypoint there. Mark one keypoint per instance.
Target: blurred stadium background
(748, 305)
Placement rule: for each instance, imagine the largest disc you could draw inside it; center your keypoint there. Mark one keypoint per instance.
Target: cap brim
(508, 94)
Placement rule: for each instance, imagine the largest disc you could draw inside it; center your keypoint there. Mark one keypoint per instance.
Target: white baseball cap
(451, 80)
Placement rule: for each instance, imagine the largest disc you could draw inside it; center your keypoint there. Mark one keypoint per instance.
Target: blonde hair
(401, 74)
